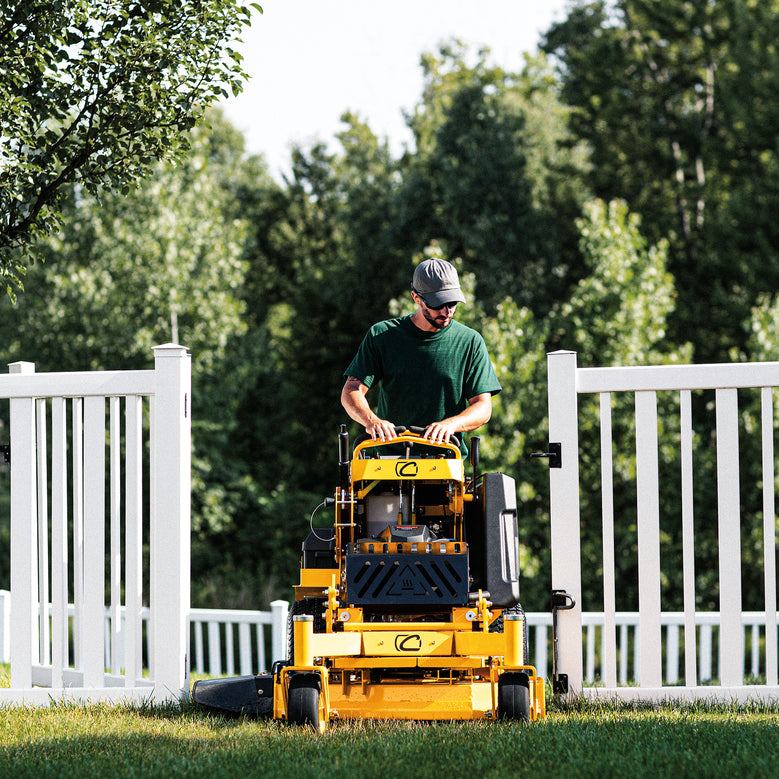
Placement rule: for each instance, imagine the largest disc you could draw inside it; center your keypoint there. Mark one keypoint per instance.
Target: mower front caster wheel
(514, 696)
(303, 700)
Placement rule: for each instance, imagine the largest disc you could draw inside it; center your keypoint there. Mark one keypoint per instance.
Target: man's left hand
(440, 432)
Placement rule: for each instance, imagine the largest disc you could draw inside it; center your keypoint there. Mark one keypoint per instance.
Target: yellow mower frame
(392, 616)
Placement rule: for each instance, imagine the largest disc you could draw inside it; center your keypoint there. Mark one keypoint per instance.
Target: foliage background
(615, 198)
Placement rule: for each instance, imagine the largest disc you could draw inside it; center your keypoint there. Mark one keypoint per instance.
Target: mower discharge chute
(408, 607)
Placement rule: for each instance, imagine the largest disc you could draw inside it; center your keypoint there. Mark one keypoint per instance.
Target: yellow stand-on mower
(408, 608)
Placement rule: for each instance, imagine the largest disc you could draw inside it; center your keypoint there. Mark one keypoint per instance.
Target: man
(433, 372)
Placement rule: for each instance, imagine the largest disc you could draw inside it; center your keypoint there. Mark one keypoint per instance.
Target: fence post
(731, 628)
(24, 552)
(170, 521)
(648, 533)
(280, 610)
(5, 626)
(564, 511)
(769, 545)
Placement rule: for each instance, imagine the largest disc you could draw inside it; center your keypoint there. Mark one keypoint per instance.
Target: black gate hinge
(555, 455)
(6, 451)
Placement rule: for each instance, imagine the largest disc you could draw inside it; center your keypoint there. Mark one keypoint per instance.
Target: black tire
(303, 700)
(514, 696)
(312, 606)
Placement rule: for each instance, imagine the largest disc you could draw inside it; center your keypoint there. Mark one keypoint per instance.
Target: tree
(674, 98)
(94, 93)
(164, 262)
(127, 272)
(487, 181)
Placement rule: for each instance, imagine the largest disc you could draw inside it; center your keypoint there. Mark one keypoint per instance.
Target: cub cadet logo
(408, 642)
(406, 469)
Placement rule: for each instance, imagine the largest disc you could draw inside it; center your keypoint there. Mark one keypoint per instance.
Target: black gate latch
(6, 450)
(561, 601)
(555, 455)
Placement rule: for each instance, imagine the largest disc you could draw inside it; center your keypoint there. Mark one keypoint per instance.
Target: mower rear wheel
(312, 606)
(498, 626)
(514, 696)
(303, 700)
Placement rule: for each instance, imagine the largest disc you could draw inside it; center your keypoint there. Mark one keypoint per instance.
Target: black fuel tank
(493, 538)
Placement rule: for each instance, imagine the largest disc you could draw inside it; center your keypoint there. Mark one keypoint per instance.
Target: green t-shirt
(424, 377)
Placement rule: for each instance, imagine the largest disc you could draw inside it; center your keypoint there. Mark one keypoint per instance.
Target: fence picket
(244, 648)
(214, 649)
(44, 645)
(688, 539)
(607, 511)
(115, 481)
(93, 635)
(769, 535)
(78, 530)
(648, 539)
(59, 541)
(729, 512)
(133, 539)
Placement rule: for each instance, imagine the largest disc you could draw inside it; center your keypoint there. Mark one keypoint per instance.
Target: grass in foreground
(587, 740)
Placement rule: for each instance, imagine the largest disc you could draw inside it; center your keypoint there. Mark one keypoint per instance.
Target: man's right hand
(380, 430)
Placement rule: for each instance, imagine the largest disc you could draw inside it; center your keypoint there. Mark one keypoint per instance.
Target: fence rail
(226, 642)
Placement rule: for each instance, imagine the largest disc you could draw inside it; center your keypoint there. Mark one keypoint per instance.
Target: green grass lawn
(586, 740)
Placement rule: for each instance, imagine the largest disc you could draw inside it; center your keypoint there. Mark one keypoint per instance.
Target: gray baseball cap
(437, 283)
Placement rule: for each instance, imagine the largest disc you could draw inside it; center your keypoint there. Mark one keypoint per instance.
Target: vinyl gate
(566, 383)
(79, 494)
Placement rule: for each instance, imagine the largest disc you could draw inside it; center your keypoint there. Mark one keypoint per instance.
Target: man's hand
(441, 432)
(478, 412)
(381, 430)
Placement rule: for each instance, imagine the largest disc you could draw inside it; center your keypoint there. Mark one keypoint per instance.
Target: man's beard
(439, 322)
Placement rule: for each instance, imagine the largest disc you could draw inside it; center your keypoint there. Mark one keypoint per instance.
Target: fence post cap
(160, 351)
(21, 366)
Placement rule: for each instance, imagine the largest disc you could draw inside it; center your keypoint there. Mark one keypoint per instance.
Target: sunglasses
(452, 304)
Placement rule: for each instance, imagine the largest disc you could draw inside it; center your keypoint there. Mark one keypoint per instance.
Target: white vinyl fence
(80, 493)
(228, 642)
(723, 383)
(76, 474)
(224, 641)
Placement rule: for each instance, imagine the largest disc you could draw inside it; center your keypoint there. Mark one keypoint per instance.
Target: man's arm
(357, 407)
(478, 413)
